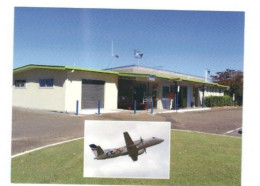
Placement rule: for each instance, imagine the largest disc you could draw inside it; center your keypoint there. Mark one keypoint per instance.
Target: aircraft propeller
(141, 140)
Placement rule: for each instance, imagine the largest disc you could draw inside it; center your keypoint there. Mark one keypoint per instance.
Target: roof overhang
(120, 74)
(174, 79)
(63, 68)
(203, 82)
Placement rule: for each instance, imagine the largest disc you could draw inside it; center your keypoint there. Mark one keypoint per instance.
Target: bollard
(147, 104)
(135, 107)
(152, 107)
(98, 107)
(77, 107)
(175, 101)
(203, 97)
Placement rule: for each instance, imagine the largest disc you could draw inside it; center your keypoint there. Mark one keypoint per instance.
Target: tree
(233, 79)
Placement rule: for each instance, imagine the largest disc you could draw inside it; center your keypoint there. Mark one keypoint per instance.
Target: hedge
(218, 101)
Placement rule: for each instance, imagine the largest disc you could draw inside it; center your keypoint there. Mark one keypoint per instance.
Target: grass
(196, 159)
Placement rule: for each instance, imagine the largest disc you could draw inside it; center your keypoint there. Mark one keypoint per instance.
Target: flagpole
(112, 48)
(112, 54)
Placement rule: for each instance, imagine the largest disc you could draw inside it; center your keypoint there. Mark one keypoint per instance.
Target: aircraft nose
(160, 140)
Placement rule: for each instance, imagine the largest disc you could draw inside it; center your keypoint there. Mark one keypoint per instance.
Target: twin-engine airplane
(132, 148)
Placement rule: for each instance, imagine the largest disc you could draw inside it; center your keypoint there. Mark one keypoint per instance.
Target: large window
(20, 83)
(46, 82)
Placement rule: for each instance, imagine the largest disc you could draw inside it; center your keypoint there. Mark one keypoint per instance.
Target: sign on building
(152, 77)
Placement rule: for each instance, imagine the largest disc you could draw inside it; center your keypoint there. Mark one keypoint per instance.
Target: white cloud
(109, 134)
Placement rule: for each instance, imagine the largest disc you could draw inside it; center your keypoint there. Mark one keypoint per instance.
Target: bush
(218, 101)
(239, 100)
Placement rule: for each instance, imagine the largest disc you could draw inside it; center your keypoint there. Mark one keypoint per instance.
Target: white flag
(138, 54)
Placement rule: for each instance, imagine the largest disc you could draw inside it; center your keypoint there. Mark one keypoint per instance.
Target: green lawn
(196, 159)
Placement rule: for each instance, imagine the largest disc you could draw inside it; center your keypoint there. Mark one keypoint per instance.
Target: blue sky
(182, 41)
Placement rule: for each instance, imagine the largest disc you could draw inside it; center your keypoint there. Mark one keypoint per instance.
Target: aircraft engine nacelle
(141, 151)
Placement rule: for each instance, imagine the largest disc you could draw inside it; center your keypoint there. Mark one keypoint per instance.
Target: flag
(138, 54)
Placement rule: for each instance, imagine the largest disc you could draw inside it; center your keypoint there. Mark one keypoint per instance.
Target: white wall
(33, 96)
(111, 95)
(72, 94)
(66, 90)
(73, 89)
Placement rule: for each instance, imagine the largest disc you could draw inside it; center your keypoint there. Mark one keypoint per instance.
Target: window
(46, 82)
(19, 83)
(166, 91)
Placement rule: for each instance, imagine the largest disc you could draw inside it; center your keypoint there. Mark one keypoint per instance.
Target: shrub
(218, 101)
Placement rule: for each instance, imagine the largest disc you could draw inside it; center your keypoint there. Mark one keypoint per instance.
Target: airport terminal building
(58, 88)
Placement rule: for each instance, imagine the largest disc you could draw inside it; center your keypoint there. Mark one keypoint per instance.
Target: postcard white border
(251, 152)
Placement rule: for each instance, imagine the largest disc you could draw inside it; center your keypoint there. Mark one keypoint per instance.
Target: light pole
(177, 90)
(207, 72)
(203, 96)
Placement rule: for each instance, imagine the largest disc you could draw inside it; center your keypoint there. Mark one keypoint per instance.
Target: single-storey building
(61, 87)
(163, 87)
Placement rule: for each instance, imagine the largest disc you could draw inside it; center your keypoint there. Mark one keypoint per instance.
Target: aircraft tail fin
(97, 150)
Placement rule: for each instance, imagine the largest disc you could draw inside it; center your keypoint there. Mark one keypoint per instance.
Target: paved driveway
(34, 128)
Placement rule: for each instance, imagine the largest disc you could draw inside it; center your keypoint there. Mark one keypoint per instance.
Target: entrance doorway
(182, 100)
(165, 97)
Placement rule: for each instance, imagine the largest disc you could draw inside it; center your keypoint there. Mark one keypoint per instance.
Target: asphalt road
(35, 128)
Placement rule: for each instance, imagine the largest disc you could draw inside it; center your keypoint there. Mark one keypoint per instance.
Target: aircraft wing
(131, 148)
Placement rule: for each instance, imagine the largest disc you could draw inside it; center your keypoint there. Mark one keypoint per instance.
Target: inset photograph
(127, 149)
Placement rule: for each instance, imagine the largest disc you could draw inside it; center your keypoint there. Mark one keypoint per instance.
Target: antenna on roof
(207, 72)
